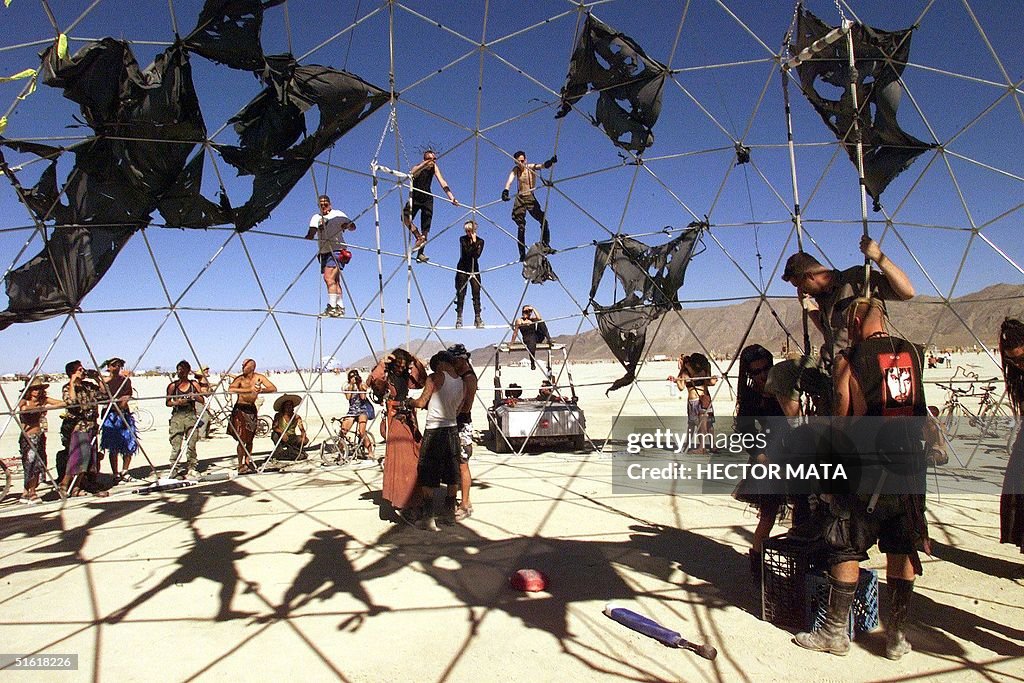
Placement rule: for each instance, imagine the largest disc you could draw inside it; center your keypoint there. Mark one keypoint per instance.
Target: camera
(91, 374)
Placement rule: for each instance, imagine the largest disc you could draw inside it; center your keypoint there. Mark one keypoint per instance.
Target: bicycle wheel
(6, 481)
(263, 426)
(143, 420)
(950, 421)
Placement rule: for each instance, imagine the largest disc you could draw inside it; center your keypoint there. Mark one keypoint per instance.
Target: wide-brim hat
(202, 372)
(799, 264)
(281, 400)
(36, 383)
(113, 361)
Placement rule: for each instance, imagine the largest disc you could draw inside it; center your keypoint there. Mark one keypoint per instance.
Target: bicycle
(992, 420)
(346, 447)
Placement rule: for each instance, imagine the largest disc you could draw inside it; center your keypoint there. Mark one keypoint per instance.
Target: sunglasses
(763, 370)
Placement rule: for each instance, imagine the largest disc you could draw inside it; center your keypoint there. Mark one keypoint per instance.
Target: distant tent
(629, 84)
(880, 57)
(650, 278)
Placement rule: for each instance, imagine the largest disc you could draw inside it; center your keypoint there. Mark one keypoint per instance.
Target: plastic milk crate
(786, 563)
(863, 615)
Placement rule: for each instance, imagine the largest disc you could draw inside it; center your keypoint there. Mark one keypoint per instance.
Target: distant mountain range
(924, 320)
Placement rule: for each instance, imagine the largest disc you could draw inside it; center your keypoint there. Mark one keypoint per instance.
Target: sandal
(247, 469)
(462, 513)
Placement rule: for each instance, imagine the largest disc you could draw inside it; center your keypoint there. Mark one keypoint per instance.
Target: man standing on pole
(328, 227)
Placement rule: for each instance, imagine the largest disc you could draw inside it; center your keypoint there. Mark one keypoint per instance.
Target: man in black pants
(526, 175)
(421, 200)
(468, 273)
(880, 377)
(534, 331)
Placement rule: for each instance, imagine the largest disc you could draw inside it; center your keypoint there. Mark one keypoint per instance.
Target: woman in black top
(468, 273)
(534, 331)
(1011, 502)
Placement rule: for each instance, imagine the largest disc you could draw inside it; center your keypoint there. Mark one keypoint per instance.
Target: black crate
(786, 563)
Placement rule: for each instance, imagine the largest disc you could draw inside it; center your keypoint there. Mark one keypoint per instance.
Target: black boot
(833, 636)
(900, 590)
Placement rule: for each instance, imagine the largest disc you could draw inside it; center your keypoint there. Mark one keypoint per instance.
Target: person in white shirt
(328, 227)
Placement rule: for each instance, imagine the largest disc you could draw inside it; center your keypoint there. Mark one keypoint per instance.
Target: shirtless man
(526, 175)
(242, 426)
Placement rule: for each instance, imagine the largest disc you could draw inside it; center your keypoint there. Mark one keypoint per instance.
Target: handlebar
(960, 392)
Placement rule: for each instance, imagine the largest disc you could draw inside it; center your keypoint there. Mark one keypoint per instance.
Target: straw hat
(204, 371)
(281, 400)
(37, 382)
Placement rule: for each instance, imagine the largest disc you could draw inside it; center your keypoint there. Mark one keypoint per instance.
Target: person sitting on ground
(242, 425)
(360, 411)
(288, 431)
(32, 440)
(534, 331)
(442, 396)
(119, 435)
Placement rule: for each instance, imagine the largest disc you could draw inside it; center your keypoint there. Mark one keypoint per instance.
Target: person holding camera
(525, 174)
(390, 382)
(182, 396)
(242, 426)
(328, 226)
(82, 395)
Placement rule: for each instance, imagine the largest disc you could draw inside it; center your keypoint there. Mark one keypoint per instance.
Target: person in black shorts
(421, 200)
(880, 378)
(534, 331)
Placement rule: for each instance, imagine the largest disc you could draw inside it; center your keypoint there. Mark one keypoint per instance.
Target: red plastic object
(529, 580)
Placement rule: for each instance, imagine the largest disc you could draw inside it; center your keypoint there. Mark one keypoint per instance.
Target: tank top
(421, 183)
(444, 403)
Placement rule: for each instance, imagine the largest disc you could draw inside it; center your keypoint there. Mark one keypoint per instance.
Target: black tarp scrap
(880, 58)
(146, 155)
(228, 32)
(650, 278)
(629, 84)
(269, 126)
(146, 123)
(536, 267)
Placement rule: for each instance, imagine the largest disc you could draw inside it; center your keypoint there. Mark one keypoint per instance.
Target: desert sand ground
(294, 574)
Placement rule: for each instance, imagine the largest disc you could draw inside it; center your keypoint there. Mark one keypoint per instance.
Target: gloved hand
(504, 196)
(551, 162)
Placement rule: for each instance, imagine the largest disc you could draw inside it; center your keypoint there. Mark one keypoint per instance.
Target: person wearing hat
(289, 432)
(826, 293)
(464, 421)
(118, 434)
(360, 410)
(32, 440)
(202, 376)
(82, 396)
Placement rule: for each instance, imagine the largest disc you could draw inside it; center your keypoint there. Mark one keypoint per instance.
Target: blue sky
(507, 93)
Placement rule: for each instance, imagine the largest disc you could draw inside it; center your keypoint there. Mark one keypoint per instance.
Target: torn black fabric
(228, 32)
(54, 281)
(536, 267)
(650, 278)
(269, 126)
(629, 84)
(880, 58)
(146, 123)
